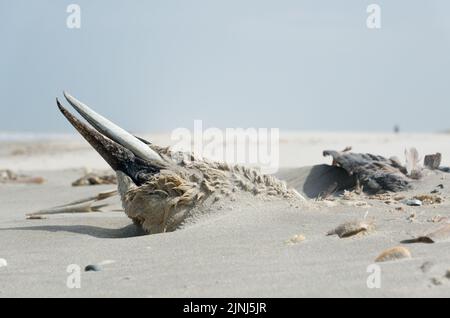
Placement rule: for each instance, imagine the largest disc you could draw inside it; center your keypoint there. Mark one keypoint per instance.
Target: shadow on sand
(94, 231)
(317, 180)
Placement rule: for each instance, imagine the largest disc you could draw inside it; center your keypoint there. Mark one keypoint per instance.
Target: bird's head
(159, 191)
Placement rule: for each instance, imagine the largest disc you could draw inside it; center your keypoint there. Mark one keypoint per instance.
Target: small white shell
(414, 202)
(295, 239)
(3, 262)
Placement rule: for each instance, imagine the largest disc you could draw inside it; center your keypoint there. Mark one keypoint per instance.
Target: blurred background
(153, 66)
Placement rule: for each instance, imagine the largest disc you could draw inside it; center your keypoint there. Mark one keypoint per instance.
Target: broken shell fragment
(352, 228)
(393, 254)
(295, 239)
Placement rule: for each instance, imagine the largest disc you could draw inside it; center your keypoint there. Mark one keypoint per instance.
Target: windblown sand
(246, 249)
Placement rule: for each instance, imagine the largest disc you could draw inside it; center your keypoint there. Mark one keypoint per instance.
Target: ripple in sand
(394, 254)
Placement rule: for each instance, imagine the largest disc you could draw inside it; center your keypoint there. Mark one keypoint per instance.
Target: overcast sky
(291, 64)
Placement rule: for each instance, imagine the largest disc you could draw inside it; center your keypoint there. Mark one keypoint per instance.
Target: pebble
(92, 268)
(3, 262)
(414, 202)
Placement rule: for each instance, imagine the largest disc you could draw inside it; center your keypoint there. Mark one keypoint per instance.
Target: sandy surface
(239, 252)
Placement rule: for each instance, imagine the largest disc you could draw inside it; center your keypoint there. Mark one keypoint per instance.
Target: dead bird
(371, 172)
(159, 188)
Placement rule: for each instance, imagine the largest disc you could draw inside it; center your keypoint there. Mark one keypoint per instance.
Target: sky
(153, 66)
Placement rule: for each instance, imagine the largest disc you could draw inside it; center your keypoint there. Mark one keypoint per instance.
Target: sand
(245, 251)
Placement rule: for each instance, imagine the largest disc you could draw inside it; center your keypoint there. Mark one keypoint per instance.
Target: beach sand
(241, 252)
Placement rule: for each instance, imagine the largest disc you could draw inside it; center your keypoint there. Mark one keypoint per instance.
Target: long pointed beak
(112, 131)
(117, 156)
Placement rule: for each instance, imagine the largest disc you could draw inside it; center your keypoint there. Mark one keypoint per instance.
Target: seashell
(352, 228)
(3, 262)
(393, 254)
(296, 239)
(440, 235)
(414, 202)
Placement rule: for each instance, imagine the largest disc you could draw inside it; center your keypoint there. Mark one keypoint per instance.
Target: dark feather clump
(374, 173)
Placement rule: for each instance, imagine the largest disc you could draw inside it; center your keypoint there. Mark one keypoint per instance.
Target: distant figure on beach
(396, 129)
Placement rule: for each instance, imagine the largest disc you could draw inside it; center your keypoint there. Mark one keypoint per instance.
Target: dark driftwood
(374, 173)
